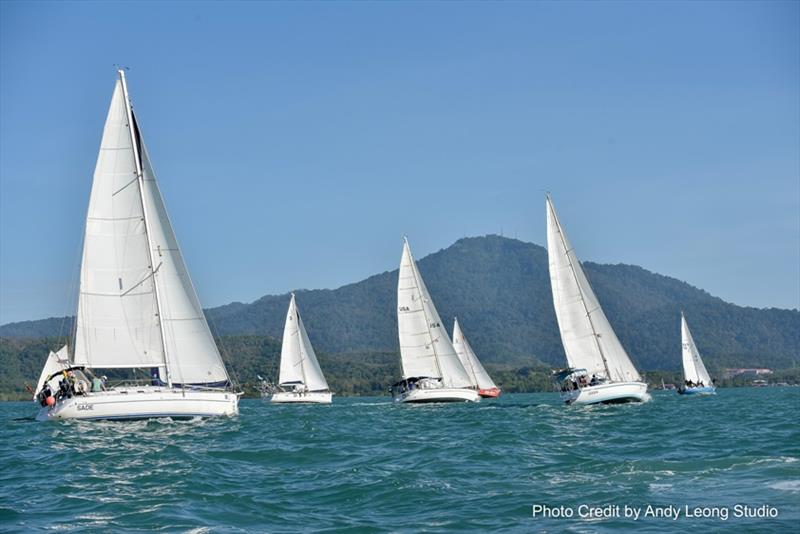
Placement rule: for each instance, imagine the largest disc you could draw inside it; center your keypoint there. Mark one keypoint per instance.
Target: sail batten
(589, 340)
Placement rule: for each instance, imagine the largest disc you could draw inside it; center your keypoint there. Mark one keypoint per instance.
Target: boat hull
(306, 397)
(489, 393)
(422, 395)
(705, 390)
(143, 403)
(617, 392)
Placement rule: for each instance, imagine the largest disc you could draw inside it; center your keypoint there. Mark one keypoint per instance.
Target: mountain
(500, 290)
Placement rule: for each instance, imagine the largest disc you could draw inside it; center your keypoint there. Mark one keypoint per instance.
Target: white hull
(307, 397)
(608, 393)
(438, 395)
(143, 403)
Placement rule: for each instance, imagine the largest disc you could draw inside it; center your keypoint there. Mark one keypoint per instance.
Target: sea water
(519, 463)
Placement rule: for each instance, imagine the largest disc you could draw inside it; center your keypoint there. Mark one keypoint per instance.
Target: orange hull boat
(489, 393)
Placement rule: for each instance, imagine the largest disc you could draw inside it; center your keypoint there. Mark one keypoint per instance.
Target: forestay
(693, 367)
(425, 348)
(477, 374)
(588, 339)
(298, 361)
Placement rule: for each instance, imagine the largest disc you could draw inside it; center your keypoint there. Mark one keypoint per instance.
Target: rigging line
(143, 280)
(125, 186)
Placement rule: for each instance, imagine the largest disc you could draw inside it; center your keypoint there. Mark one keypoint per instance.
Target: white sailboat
(696, 380)
(301, 379)
(478, 376)
(432, 371)
(600, 369)
(137, 308)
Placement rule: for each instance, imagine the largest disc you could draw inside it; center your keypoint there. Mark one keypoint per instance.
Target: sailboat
(599, 368)
(696, 380)
(479, 378)
(301, 378)
(137, 308)
(432, 371)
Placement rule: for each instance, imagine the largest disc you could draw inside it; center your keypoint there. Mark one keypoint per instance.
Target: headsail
(588, 339)
(56, 361)
(693, 367)
(425, 347)
(478, 376)
(298, 361)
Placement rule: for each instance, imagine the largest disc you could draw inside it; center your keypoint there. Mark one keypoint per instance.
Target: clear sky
(295, 143)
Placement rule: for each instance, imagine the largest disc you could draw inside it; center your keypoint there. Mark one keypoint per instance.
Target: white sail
(137, 306)
(56, 361)
(425, 348)
(478, 376)
(298, 361)
(693, 367)
(589, 341)
(117, 321)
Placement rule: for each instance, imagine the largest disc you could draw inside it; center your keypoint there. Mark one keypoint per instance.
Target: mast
(580, 291)
(140, 180)
(427, 320)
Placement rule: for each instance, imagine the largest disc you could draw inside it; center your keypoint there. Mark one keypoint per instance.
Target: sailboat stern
(489, 393)
(607, 393)
(426, 390)
(143, 402)
(302, 397)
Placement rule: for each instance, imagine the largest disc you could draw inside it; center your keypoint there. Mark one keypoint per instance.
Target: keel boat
(600, 370)
(301, 379)
(696, 380)
(432, 371)
(478, 376)
(137, 308)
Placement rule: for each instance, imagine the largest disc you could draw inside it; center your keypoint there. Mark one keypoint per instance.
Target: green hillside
(500, 290)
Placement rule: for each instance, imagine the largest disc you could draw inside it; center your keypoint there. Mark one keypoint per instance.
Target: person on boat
(97, 385)
(594, 381)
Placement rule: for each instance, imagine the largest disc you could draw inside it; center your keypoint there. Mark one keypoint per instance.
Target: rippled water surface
(367, 465)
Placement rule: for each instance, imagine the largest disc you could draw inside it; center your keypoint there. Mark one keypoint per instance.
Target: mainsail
(425, 348)
(298, 361)
(478, 376)
(693, 367)
(589, 341)
(137, 306)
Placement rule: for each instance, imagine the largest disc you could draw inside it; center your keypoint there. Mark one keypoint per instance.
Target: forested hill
(500, 290)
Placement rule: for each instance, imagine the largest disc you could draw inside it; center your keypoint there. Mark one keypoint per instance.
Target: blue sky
(295, 143)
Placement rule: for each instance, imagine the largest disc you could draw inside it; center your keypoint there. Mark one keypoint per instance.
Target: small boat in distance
(137, 308)
(696, 380)
(301, 379)
(478, 376)
(432, 371)
(600, 370)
